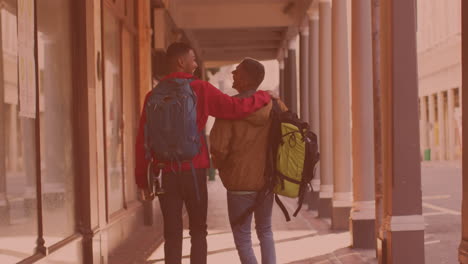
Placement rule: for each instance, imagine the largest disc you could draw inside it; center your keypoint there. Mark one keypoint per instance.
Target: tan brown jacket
(239, 149)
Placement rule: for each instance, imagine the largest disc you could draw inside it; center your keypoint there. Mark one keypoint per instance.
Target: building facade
(439, 62)
(73, 76)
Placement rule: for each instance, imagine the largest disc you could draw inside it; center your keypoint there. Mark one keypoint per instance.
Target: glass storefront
(130, 110)
(38, 150)
(18, 206)
(56, 118)
(113, 111)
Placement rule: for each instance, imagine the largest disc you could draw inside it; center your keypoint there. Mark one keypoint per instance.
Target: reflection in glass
(113, 112)
(128, 61)
(18, 213)
(56, 105)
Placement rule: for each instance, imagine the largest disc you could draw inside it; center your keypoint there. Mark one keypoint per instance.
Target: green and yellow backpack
(293, 156)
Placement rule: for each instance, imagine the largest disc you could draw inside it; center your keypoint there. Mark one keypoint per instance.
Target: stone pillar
(423, 129)
(304, 73)
(13, 144)
(432, 145)
(314, 116)
(342, 197)
(281, 79)
(378, 132)
(463, 248)
(441, 123)
(202, 69)
(286, 81)
(291, 84)
(3, 182)
(326, 129)
(363, 212)
(451, 124)
(404, 223)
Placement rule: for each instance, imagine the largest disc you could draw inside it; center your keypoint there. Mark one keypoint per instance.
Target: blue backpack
(171, 131)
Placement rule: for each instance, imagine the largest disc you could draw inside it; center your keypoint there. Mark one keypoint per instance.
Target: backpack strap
(300, 202)
(305, 178)
(275, 107)
(148, 155)
(282, 207)
(192, 167)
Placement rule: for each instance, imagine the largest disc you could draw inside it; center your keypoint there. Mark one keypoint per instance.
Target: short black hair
(255, 70)
(177, 49)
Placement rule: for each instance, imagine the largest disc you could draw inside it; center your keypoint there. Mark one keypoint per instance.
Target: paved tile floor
(306, 239)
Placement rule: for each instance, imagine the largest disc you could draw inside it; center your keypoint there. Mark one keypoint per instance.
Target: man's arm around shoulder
(223, 106)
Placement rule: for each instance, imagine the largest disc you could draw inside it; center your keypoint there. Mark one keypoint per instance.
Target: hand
(145, 195)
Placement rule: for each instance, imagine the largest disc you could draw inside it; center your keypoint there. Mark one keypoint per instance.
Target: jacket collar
(246, 94)
(180, 75)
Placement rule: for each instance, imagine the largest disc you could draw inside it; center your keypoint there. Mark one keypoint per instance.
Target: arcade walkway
(71, 89)
(306, 239)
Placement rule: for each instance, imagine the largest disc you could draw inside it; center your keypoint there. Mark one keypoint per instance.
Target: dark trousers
(179, 189)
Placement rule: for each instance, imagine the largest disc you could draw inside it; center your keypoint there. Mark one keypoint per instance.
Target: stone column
(441, 123)
(423, 129)
(314, 116)
(314, 84)
(463, 248)
(363, 212)
(326, 129)
(286, 89)
(13, 144)
(432, 126)
(304, 83)
(3, 182)
(203, 71)
(342, 197)
(404, 223)
(291, 84)
(451, 124)
(281, 78)
(378, 132)
(304, 73)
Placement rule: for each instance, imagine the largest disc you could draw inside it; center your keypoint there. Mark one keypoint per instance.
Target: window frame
(128, 23)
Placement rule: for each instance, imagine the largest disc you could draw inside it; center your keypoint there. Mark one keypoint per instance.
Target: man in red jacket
(180, 188)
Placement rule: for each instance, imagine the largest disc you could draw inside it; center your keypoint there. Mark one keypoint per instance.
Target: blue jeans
(237, 205)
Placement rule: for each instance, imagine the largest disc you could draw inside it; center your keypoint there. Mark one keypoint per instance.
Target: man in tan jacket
(239, 150)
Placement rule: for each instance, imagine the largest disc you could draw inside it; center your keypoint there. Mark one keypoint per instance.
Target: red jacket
(211, 101)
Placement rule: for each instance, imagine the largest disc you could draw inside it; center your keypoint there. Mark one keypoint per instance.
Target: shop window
(113, 112)
(18, 198)
(130, 110)
(56, 118)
